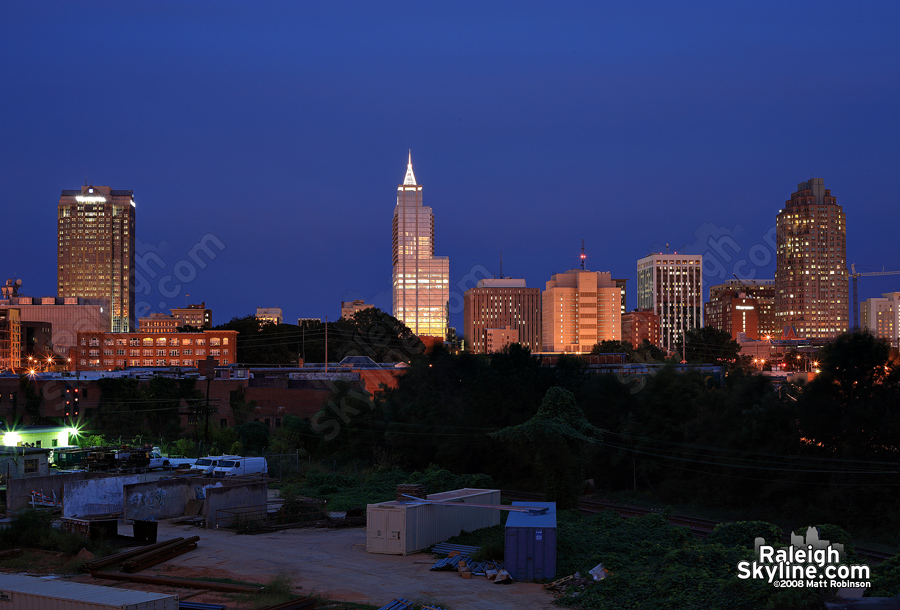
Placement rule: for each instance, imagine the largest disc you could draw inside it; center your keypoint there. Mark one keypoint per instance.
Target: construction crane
(856, 277)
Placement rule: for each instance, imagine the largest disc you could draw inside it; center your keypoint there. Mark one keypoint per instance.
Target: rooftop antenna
(501, 264)
(667, 248)
(582, 255)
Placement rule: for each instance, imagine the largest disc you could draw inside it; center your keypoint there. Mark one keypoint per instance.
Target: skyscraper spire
(410, 176)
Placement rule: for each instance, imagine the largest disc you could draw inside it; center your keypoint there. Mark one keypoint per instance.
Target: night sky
(280, 132)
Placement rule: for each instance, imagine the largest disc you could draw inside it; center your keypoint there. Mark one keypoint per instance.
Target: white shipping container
(19, 592)
(401, 528)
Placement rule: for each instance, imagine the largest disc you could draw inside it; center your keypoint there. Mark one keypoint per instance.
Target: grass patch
(229, 581)
(279, 590)
(24, 562)
(347, 492)
(655, 564)
(878, 540)
(490, 539)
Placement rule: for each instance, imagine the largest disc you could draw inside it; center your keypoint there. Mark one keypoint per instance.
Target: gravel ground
(333, 563)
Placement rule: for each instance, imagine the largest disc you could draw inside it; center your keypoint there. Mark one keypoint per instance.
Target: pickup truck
(158, 461)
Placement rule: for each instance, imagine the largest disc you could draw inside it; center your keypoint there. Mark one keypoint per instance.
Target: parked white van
(205, 466)
(242, 465)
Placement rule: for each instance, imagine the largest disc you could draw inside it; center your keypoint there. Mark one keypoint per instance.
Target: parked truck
(240, 466)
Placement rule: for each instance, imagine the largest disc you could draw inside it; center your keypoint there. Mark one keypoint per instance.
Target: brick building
(108, 351)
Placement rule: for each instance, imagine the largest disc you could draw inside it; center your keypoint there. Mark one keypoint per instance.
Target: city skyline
(638, 135)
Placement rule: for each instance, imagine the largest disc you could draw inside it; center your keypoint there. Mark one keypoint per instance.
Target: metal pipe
(171, 581)
(111, 559)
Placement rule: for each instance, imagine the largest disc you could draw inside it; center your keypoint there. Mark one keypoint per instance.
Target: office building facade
(10, 340)
(880, 316)
(580, 308)
(95, 250)
(269, 315)
(109, 351)
(349, 308)
(195, 314)
(811, 278)
(421, 280)
(498, 312)
(671, 285)
(746, 306)
(65, 317)
(640, 325)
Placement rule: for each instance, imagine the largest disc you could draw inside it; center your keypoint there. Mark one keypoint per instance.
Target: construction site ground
(331, 563)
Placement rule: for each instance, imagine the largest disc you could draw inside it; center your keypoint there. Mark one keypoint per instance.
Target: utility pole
(210, 371)
(326, 344)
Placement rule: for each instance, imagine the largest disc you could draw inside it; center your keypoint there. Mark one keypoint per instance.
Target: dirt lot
(334, 564)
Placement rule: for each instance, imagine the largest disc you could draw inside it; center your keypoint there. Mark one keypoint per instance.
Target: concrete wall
(232, 496)
(18, 491)
(158, 499)
(95, 496)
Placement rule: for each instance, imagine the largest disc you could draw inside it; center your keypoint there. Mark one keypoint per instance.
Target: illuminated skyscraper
(421, 281)
(95, 250)
(580, 309)
(811, 271)
(671, 285)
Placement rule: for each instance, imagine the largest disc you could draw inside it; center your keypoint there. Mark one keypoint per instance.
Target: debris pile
(576, 580)
(468, 567)
(398, 603)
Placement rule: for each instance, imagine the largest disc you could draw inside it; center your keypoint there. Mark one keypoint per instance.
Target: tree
(33, 399)
(710, 346)
(241, 409)
(559, 439)
(253, 436)
(851, 407)
(370, 332)
(648, 352)
(374, 333)
(614, 347)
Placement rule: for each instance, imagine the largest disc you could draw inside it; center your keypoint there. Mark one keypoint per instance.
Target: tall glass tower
(421, 279)
(811, 267)
(95, 255)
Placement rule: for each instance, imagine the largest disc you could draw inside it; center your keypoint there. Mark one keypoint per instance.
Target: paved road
(334, 564)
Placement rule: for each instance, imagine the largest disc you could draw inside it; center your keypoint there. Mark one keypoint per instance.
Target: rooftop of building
(501, 282)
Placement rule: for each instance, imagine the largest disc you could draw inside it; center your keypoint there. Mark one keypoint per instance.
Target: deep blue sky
(282, 129)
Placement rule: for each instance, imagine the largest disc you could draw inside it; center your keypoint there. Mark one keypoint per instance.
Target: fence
(260, 517)
(283, 464)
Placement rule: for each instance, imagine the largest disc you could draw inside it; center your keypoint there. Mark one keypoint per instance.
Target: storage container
(401, 528)
(18, 592)
(530, 543)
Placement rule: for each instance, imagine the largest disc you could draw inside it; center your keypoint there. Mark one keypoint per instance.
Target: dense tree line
(826, 451)
(131, 407)
(370, 332)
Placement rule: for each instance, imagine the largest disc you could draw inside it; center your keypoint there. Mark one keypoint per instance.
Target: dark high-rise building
(421, 280)
(95, 252)
(502, 307)
(811, 274)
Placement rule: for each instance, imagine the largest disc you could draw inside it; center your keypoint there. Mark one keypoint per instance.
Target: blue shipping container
(530, 544)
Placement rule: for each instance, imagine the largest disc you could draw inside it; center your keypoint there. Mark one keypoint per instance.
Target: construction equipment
(856, 277)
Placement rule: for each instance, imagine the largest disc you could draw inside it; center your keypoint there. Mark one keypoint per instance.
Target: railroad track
(699, 527)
